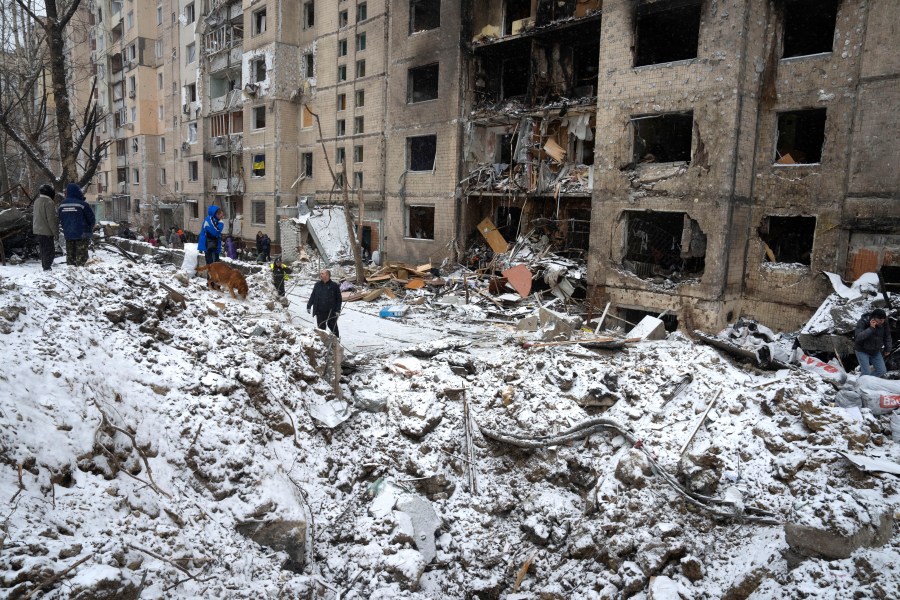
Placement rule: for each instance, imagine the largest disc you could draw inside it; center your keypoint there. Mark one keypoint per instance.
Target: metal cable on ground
(591, 426)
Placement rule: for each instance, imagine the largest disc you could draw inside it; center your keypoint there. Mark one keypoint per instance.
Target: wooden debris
(415, 284)
(519, 277)
(699, 423)
(520, 576)
(493, 237)
(373, 295)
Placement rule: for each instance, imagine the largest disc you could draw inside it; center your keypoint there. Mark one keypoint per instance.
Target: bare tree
(58, 144)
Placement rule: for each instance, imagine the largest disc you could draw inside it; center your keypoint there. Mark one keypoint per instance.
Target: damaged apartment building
(707, 158)
(710, 159)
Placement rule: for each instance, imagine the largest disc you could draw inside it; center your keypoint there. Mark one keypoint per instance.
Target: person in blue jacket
(77, 220)
(210, 240)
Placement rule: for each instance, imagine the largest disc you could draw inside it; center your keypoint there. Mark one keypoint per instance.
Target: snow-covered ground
(161, 451)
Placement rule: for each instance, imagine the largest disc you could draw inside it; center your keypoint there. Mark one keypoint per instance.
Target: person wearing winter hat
(77, 220)
(45, 224)
(873, 336)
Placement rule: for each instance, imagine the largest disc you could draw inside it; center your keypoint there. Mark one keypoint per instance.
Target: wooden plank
(493, 237)
(415, 284)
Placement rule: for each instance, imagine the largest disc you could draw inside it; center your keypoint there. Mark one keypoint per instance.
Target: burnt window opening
(420, 222)
(666, 32)
(424, 15)
(634, 316)
(506, 144)
(584, 150)
(422, 84)
(809, 26)
(788, 239)
(663, 138)
(801, 136)
(586, 64)
(664, 244)
(508, 221)
(578, 229)
(515, 10)
(421, 151)
(514, 78)
(549, 11)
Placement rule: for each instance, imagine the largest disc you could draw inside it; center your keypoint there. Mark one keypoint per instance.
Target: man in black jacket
(873, 336)
(325, 302)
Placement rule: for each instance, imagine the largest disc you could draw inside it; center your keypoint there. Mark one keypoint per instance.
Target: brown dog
(221, 274)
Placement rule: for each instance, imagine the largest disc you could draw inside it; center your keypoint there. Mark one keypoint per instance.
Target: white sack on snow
(189, 264)
(826, 371)
(881, 396)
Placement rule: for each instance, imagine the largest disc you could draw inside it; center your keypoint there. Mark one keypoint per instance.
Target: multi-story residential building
(707, 159)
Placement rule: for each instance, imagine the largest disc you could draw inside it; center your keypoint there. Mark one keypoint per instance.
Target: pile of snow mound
(136, 434)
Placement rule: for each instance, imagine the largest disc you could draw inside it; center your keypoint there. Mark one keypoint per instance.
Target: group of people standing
(74, 215)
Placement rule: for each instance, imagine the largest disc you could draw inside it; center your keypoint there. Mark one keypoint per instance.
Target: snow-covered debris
(158, 443)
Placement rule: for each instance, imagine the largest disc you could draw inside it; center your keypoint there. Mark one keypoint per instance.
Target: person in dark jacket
(77, 220)
(265, 245)
(45, 224)
(873, 336)
(279, 275)
(325, 302)
(259, 236)
(210, 240)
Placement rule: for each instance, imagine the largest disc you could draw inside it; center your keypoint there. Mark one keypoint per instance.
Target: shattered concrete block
(692, 568)
(407, 567)
(633, 578)
(424, 523)
(666, 588)
(702, 470)
(633, 469)
(835, 525)
(288, 536)
(417, 416)
(649, 328)
(557, 325)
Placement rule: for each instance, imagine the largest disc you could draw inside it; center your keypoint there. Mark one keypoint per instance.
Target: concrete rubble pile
(494, 461)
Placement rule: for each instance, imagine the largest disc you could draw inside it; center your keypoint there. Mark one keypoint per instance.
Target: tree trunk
(354, 243)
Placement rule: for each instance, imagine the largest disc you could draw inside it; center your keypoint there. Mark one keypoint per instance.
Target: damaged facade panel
(801, 136)
(788, 239)
(808, 26)
(662, 138)
(666, 31)
(670, 245)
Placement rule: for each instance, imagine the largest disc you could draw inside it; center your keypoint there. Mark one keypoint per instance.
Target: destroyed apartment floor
(151, 450)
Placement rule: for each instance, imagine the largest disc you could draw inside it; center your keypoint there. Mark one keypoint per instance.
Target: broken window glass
(809, 26)
(664, 244)
(424, 15)
(422, 84)
(420, 222)
(801, 136)
(421, 151)
(666, 31)
(788, 239)
(663, 138)
(259, 213)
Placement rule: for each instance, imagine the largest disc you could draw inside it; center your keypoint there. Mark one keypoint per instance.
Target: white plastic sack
(895, 426)
(824, 370)
(881, 396)
(848, 398)
(189, 265)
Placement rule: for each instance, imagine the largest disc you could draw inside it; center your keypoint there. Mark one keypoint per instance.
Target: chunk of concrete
(288, 536)
(835, 525)
(424, 522)
(649, 328)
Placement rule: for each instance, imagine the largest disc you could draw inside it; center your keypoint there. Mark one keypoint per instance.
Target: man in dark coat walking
(873, 336)
(325, 302)
(45, 224)
(77, 221)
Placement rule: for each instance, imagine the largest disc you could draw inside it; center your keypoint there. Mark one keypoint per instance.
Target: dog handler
(325, 302)
(210, 240)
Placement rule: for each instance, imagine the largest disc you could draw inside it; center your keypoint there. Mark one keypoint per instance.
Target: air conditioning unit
(251, 89)
(129, 125)
(185, 146)
(131, 93)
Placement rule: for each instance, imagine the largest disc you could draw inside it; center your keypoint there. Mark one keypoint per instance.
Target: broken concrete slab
(836, 524)
(288, 536)
(649, 328)
(425, 523)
